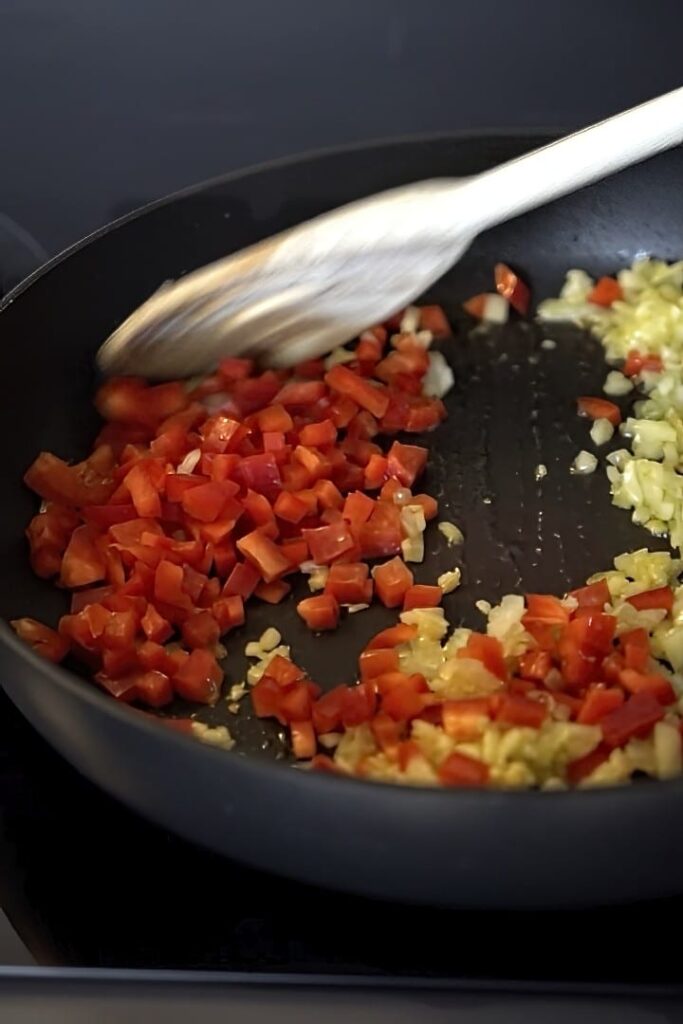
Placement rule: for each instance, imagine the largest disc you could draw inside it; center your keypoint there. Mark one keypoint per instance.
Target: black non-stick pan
(513, 407)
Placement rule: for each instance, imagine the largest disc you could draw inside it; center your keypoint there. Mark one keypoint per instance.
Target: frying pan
(513, 407)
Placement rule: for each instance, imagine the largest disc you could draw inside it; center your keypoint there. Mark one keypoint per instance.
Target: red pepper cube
(392, 580)
(406, 462)
(320, 612)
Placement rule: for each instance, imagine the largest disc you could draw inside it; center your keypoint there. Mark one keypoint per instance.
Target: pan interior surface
(512, 407)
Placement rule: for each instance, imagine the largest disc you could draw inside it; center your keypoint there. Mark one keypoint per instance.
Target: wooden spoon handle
(570, 163)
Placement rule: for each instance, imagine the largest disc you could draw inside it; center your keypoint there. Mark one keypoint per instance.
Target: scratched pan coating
(512, 409)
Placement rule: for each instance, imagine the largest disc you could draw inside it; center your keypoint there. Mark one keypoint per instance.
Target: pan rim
(254, 766)
(532, 134)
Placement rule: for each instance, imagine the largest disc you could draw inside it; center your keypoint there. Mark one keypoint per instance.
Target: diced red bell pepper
(83, 563)
(635, 646)
(488, 650)
(272, 593)
(662, 597)
(320, 612)
(433, 318)
(242, 581)
(460, 770)
(199, 678)
(636, 717)
(168, 585)
(535, 665)
(318, 434)
(358, 704)
(200, 630)
(387, 733)
(153, 688)
(290, 508)
(87, 483)
(392, 580)
(264, 555)
(465, 720)
(422, 596)
(405, 462)
(595, 595)
(327, 710)
(45, 641)
(599, 409)
(394, 636)
(367, 395)
(656, 685)
(350, 583)
(143, 489)
(606, 291)
(521, 711)
(303, 740)
(545, 608)
(328, 542)
(582, 767)
(402, 703)
(511, 287)
(373, 663)
(637, 363)
(598, 702)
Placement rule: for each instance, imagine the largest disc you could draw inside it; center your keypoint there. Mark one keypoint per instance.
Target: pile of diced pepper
(577, 668)
(198, 497)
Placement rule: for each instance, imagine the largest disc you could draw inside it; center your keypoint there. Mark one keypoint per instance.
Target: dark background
(109, 103)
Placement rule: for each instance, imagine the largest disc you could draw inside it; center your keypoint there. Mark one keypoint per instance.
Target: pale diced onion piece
(339, 356)
(189, 463)
(439, 378)
(213, 736)
(496, 309)
(540, 472)
(318, 579)
(410, 321)
(413, 520)
(584, 463)
(450, 580)
(616, 384)
(413, 549)
(601, 432)
(269, 639)
(451, 532)
(667, 749)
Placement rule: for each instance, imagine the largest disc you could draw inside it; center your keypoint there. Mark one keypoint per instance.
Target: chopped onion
(339, 356)
(424, 338)
(584, 463)
(410, 321)
(450, 581)
(616, 384)
(413, 520)
(213, 736)
(189, 463)
(540, 472)
(413, 549)
(548, 344)
(270, 638)
(452, 533)
(439, 378)
(601, 432)
(496, 309)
